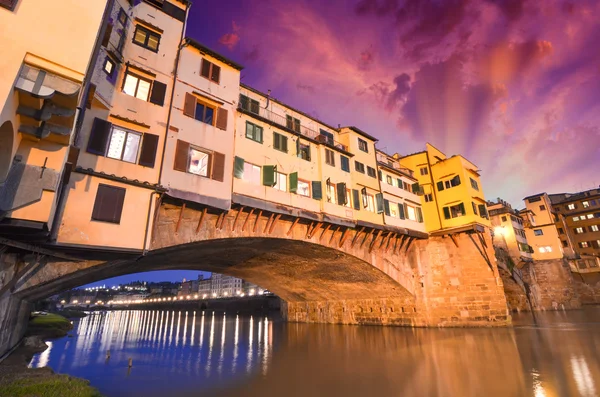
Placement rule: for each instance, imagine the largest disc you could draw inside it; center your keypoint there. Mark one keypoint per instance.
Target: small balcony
(254, 108)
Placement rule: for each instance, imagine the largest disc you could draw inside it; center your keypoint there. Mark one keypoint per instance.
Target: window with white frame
(370, 203)
(280, 181)
(594, 228)
(303, 188)
(124, 145)
(331, 197)
(394, 209)
(136, 86)
(251, 173)
(199, 162)
(571, 206)
(411, 213)
(585, 204)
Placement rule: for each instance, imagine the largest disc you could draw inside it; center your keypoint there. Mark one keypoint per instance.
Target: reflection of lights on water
(44, 357)
(583, 377)
(538, 389)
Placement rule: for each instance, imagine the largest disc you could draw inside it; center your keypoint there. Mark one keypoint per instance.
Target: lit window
(389, 180)
(545, 249)
(199, 161)
(109, 67)
(575, 218)
(146, 38)
(578, 230)
(123, 145)
(251, 173)
(136, 86)
(594, 228)
(571, 206)
(370, 203)
(589, 216)
(585, 204)
(280, 181)
(331, 198)
(538, 232)
(583, 244)
(411, 213)
(303, 188)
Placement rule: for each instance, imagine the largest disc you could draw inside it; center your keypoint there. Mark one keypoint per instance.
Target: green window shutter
(298, 154)
(462, 208)
(455, 181)
(419, 215)
(276, 141)
(238, 167)
(268, 177)
(399, 183)
(284, 143)
(356, 199)
(446, 213)
(386, 206)
(415, 188)
(401, 211)
(379, 202)
(440, 186)
(317, 190)
(293, 182)
(380, 174)
(341, 193)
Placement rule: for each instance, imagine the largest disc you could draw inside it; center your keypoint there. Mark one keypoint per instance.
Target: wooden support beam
(274, 222)
(37, 250)
(246, 220)
(323, 232)
(365, 238)
(482, 239)
(395, 244)
(269, 221)
(387, 246)
(201, 220)
(256, 221)
(404, 238)
(345, 235)
(453, 239)
(383, 240)
(316, 229)
(333, 234)
(236, 218)
(180, 217)
(289, 232)
(309, 228)
(355, 239)
(408, 243)
(374, 239)
(220, 220)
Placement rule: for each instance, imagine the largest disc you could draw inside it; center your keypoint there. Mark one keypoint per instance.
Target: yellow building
(509, 231)
(47, 47)
(540, 227)
(450, 189)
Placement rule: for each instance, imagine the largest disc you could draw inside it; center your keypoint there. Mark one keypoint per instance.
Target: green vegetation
(49, 326)
(54, 386)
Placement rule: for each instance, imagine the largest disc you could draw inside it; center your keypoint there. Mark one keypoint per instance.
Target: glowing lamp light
(214, 294)
(225, 294)
(499, 230)
(63, 302)
(196, 296)
(75, 301)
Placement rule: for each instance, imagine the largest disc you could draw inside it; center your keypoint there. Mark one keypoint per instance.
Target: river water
(178, 353)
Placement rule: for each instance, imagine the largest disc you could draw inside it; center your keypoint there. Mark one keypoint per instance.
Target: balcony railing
(289, 124)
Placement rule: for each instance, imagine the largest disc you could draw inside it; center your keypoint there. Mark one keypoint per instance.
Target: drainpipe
(79, 115)
(433, 189)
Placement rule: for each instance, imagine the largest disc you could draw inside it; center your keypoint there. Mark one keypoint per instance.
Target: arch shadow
(7, 138)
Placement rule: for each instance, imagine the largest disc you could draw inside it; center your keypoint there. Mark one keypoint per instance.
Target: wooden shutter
(379, 202)
(419, 215)
(317, 190)
(182, 153)
(356, 199)
(293, 182)
(99, 137)
(405, 210)
(205, 68)
(218, 168)
(446, 213)
(148, 152)
(380, 175)
(462, 208)
(222, 119)
(365, 198)
(440, 186)
(483, 211)
(189, 107)
(90, 97)
(215, 73)
(386, 207)
(284, 143)
(268, 176)
(108, 205)
(107, 33)
(401, 211)
(238, 167)
(277, 141)
(415, 188)
(157, 96)
(340, 189)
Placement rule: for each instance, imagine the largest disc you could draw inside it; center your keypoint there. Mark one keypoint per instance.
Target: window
(585, 204)
(406, 187)
(362, 145)
(251, 173)
(303, 150)
(503, 219)
(593, 202)
(205, 112)
(571, 206)
(538, 232)
(594, 228)
(345, 163)
(330, 189)
(279, 142)
(123, 145)
(423, 171)
(474, 184)
(542, 208)
(360, 167)
(280, 181)
(303, 188)
(136, 86)
(428, 197)
(589, 216)
(146, 38)
(108, 205)
(583, 244)
(564, 243)
(578, 230)
(575, 218)
(109, 67)
(199, 162)
(411, 213)
(371, 172)
(249, 104)
(292, 123)
(326, 137)
(561, 231)
(454, 211)
(329, 157)
(122, 17)
(545, 249)
(210, 71)
(370, 203)
(474, 207)
(254, 132)
(389, 180)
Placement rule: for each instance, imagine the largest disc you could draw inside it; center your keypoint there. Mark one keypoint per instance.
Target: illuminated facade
(542, 234)
(509, 231)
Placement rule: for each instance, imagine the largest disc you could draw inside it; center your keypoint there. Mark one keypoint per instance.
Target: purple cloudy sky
(513, 85)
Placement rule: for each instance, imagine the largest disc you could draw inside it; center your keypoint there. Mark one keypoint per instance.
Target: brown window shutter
(205, 68)
(106, 38)
(215, 73)
(157, 96)
(99, 137)
(182, 153)
(148, 152)
(108, 205)
(222, 119)
(189, 107)
(218, 171)
(90, 97)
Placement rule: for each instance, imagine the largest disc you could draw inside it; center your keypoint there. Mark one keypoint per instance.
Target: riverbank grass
(49, 326)
(54, 386)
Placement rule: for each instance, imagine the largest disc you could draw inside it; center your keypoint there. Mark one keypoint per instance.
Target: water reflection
(206, 353)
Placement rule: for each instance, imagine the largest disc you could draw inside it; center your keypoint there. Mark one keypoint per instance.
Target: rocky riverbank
(17, 380)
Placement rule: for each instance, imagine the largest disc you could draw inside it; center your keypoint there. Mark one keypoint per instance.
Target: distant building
(509, 231)
(540, 228)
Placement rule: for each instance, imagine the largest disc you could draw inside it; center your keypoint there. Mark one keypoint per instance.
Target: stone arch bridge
(323, 272)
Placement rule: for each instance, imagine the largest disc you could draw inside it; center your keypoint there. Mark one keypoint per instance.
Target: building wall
(580, 223)
(542, 234)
